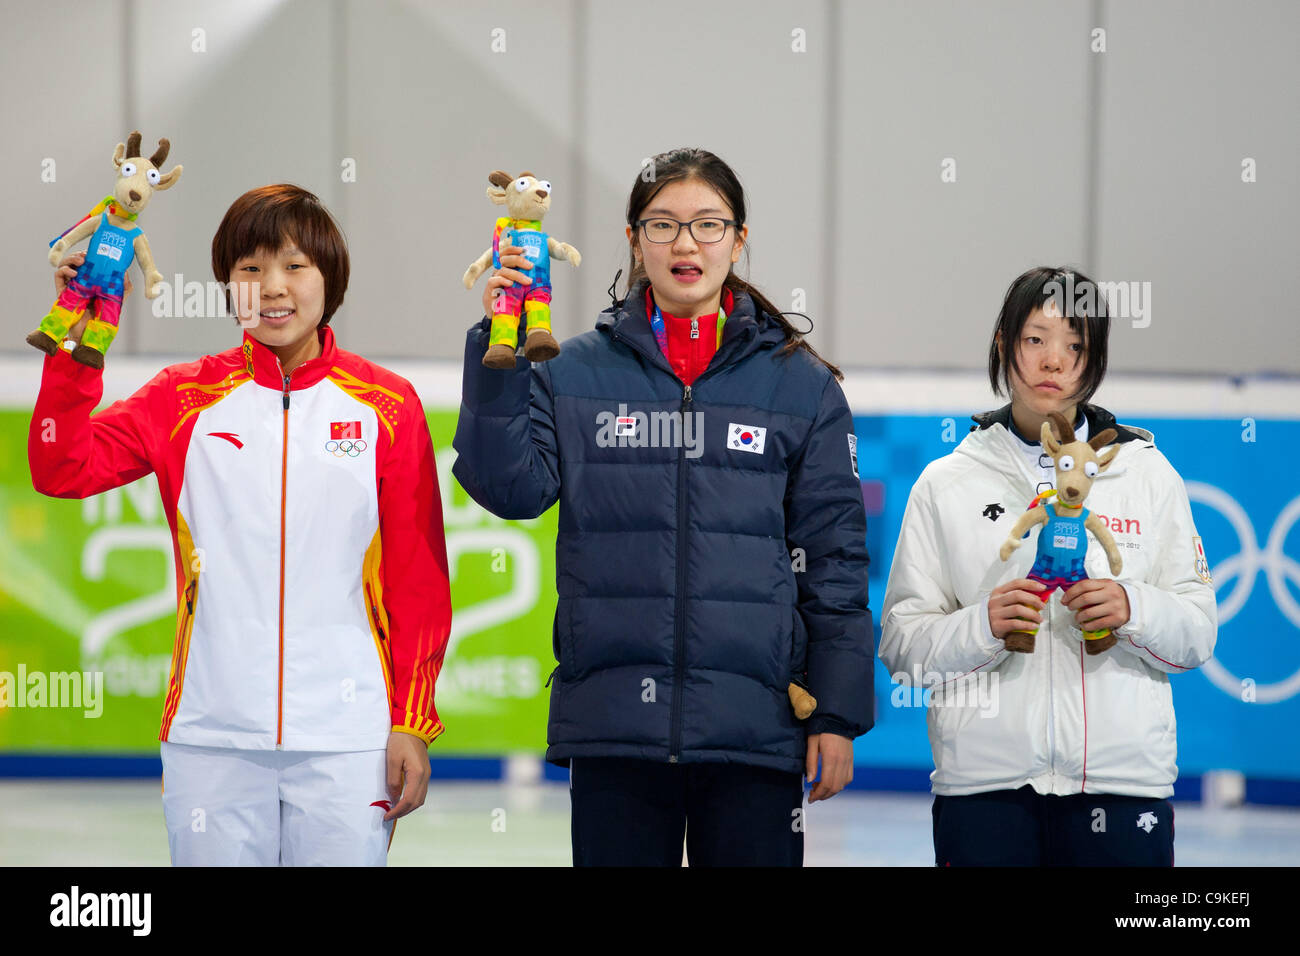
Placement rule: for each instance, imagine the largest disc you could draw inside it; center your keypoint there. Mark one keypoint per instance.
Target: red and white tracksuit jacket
(311, 569)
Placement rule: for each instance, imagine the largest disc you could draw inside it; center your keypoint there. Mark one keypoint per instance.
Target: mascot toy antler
(115, 242)
(1063, 541)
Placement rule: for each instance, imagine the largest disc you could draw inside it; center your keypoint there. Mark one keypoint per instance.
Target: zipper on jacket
(695, 328)
(1051, 692)
(284, 486)
(374, 614)
(679, 617)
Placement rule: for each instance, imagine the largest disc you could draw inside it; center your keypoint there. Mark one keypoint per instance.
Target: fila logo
(624, 426)
(746, 438)
(231, 437)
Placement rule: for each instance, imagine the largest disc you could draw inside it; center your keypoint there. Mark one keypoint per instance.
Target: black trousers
(629, 812)
(1024, 828)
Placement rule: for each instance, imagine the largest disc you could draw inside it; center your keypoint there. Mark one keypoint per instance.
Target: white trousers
(228, 807)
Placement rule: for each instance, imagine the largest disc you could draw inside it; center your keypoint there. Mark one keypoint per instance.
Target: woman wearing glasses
(711, 553)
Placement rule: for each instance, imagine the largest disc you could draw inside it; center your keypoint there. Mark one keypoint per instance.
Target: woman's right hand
(66, 270)
(512, 260)
(1014, 604)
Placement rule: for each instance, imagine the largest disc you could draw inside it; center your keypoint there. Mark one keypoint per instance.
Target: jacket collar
(745, 331)
(261, 363)
(1098, 418)
(999, 448)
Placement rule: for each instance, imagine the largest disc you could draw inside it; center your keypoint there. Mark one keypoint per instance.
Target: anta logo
(382, 805)
(228, 436)
(1121, 525)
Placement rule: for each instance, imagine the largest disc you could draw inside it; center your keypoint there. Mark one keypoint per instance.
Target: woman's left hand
(1097, 604)
(837, 764)
(408, 774)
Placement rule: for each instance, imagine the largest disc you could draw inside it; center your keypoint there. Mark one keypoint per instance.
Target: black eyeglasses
(707, 229)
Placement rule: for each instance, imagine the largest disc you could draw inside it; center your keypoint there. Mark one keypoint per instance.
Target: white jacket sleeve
(1173, 620)
(926, 636)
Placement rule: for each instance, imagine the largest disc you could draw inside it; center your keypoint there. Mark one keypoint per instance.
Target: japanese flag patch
(853, 454)
(746, 438)
(1202, 564)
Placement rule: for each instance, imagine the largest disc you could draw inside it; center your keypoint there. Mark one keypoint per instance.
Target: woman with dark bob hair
(313, 604)
(711, 562)
(1053, 756)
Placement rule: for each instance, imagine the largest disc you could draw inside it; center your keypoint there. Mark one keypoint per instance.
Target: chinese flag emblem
(340, 430)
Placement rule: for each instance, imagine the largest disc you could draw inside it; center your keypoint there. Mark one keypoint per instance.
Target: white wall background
(1125, 163)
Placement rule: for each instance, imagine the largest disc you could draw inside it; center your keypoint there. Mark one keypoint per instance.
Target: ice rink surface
(99, 823)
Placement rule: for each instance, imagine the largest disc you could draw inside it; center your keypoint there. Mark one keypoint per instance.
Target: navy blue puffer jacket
(711, 546)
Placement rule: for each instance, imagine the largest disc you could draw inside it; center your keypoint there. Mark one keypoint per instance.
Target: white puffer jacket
(1059, 719)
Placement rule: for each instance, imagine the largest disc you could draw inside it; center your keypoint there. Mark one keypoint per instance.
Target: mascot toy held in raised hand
(115, 242)
(527, 199)
(1063, 540)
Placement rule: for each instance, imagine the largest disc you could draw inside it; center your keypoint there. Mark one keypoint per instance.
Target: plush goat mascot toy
(527, 199)
(115, 242)
(1063, 540)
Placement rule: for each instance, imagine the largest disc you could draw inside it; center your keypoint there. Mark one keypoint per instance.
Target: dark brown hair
(270, 217)
(694, 163)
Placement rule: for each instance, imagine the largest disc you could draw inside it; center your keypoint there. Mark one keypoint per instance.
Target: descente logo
(653, 430)
(102, 909)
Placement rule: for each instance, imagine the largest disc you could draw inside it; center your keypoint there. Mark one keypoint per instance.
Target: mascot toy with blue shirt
(527, 199)
(115, 242)
(1063, 540)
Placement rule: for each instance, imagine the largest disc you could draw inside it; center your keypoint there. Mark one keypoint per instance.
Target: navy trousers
(629, 812)
(1024, 828)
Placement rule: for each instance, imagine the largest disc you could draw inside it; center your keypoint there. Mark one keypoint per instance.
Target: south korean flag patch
(746, 438)
(853, 454)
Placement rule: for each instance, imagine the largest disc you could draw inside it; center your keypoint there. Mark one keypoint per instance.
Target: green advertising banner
(88, 615)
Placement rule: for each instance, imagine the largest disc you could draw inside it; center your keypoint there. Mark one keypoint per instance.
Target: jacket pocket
(562, 642)
(372, 610)
(798, 643)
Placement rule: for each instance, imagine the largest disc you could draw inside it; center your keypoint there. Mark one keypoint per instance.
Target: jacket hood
(993, 443)
(745, 331)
